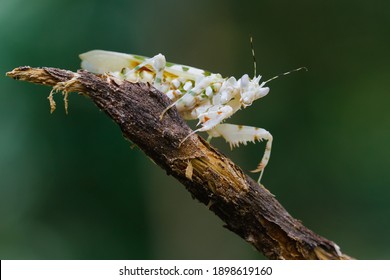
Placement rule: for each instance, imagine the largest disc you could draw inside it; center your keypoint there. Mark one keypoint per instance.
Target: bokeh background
(71, 187)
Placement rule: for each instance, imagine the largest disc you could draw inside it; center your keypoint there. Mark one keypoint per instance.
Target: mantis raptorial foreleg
(239, 134)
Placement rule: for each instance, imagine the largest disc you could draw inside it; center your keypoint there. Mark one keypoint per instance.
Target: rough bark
(247, 208)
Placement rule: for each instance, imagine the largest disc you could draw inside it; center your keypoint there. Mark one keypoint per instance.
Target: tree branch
(248, 209)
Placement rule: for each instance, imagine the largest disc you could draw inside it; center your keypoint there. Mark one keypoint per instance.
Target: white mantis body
(197, 94)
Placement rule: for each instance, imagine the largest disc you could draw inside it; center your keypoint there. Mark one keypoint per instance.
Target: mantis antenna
(254, 57)
(275, 77)
(286, 73)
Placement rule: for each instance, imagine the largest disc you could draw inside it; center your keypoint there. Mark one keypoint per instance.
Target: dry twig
(248, 209)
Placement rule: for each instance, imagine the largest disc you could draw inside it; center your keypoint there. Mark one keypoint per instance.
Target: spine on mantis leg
(239, 134)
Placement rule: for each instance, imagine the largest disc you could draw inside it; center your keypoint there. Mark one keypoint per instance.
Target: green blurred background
(71, 187)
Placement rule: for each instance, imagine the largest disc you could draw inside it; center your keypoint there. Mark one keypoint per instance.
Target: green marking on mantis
(140, 57)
